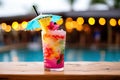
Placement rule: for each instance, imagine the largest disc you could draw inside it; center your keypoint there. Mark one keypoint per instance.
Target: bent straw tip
(34, 7)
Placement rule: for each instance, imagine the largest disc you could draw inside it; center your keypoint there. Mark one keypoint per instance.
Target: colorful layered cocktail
(53, 40)
(53, 48)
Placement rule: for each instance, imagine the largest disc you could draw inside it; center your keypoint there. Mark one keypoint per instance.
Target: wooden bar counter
(72, 71)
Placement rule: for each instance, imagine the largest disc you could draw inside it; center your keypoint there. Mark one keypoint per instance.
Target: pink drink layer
(53, 48)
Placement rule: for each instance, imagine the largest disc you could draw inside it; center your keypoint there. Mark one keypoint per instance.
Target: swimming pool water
(28, 55)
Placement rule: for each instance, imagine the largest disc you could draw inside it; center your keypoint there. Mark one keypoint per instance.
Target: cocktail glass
(53, 43)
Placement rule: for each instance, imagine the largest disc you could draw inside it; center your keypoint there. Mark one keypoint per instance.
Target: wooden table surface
(72, 71)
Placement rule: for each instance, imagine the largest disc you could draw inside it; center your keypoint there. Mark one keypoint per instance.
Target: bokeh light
(8, 28)
(79, 28)
(86, 28)
(102, 21)
(69, 19)
(69, 30)
(74, 24)
(69, 26)
(91, 21)
(4, 25)
(113, 22)
(80, 20)
(15, 25)
(24, 24)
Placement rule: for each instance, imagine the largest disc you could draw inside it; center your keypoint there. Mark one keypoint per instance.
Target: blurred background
(92, 26)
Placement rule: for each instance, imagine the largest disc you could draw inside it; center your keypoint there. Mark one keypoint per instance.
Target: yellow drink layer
(44, 23)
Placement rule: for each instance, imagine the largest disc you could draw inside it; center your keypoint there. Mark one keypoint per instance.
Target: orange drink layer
(53, 43)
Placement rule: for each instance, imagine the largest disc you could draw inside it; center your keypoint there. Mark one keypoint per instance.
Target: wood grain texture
(72, 71)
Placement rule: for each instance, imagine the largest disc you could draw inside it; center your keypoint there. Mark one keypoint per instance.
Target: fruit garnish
(53, 26)
(44, 23)
(59, 22)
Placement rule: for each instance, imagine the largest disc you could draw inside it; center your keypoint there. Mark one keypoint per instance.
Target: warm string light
(102, 21)
(19, 26)
(70, 24)
(69, 19)
(113, 22)
(4, 25)
(80, 20)
(24, 24)
(8, 28)
(15, 25)
(91, 21)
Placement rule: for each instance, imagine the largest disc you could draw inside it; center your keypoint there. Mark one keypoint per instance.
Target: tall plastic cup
(53, 43)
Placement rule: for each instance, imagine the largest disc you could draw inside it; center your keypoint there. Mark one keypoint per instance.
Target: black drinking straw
(35, 10)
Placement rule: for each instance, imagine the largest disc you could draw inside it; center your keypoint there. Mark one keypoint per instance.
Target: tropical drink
(53, 40)
(53, 48)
